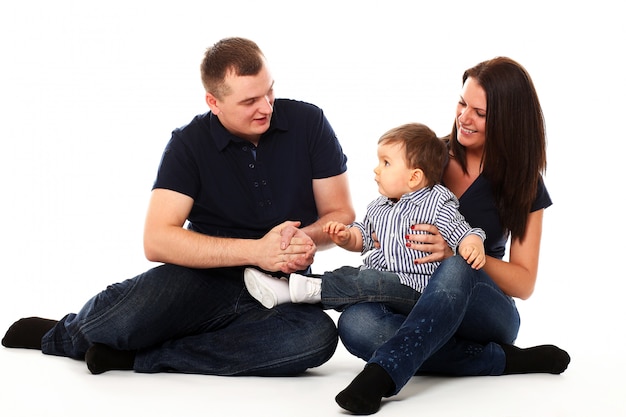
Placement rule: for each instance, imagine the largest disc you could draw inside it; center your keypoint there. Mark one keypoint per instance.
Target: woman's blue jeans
(455, 328)
(197, 321)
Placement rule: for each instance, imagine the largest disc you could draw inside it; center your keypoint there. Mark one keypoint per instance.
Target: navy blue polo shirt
(243, 191)
(478, 206)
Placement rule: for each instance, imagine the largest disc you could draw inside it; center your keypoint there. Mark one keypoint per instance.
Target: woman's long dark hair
(514, 157)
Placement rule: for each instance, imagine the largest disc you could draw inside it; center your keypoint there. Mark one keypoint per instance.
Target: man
(254, 179)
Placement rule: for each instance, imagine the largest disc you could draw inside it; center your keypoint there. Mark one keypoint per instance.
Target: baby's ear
(416, 178)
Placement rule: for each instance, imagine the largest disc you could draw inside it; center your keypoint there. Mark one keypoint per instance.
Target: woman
(465, 321)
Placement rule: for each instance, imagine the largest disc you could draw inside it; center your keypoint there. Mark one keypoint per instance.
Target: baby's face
(392, 172)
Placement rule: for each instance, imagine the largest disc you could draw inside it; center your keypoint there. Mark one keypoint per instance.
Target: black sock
(365, 392)
(538, 359)
(27, 333)
(101, 358)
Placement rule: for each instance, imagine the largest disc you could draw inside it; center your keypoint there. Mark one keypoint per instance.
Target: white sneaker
(266, 289)
(304, 289)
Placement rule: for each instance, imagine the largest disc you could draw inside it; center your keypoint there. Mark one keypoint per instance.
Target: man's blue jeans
(197, 321)
(455, 328)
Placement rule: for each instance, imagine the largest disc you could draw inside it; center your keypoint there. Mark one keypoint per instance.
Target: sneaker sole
(258, 290)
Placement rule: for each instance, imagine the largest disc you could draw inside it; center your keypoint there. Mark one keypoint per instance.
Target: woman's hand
(429, 241)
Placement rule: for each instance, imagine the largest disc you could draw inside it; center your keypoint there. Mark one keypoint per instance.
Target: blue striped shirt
(391, 221)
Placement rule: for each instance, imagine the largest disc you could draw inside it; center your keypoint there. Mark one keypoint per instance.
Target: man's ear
(211, 101)
(416, 178)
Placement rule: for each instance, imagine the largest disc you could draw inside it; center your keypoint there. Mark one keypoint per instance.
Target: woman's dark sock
(101, 358)
(538, 359)
(27, 333)
(365, 392)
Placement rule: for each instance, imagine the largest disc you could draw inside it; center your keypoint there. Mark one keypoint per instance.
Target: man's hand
(288, 248)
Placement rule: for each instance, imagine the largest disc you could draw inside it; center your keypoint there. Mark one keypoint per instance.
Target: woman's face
(471, 115)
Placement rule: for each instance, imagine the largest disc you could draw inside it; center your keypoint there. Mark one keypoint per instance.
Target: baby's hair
(423, 149)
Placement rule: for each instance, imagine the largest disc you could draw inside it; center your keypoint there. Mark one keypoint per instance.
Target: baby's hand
(474, 254)
(338, 232)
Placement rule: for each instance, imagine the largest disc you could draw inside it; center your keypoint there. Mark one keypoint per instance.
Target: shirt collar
(222, 137)
(415, 197)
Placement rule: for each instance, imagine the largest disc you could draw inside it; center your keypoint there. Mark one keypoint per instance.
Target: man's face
(246, 110)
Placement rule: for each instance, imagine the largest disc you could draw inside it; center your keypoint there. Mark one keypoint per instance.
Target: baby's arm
(349, 238)
(472, 250)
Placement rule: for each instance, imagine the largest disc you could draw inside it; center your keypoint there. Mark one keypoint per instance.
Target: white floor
(38, 385)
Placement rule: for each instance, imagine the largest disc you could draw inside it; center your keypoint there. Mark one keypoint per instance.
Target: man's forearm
(188, 248)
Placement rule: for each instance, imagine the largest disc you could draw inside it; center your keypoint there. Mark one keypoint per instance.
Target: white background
(90, 92)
